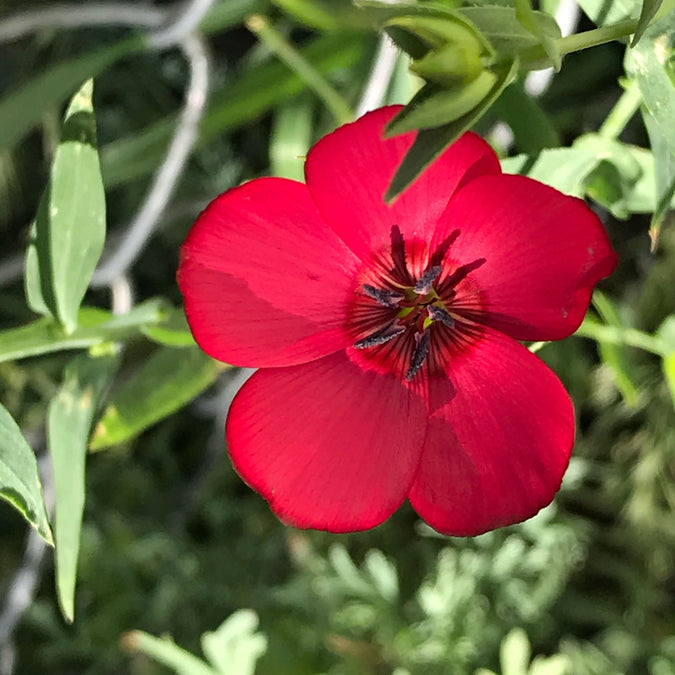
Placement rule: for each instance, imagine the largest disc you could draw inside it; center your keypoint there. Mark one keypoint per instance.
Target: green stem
(579, 41)
(597, 36)
(278, 44)
(629, 337)
(622, 112)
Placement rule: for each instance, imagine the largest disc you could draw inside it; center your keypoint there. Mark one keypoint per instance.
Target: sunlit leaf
(168, 380)
(603, 12)
(430, 143)
(95, 327)
(667, 334)
(235, 646)
(562, 168)
(664, 168)
(647, 13)
(69, 231)
(290, 138)
(68, 425)
(19, 478)
(500, 25)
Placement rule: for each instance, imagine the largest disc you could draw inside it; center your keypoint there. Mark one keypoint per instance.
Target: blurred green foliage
(172, 542)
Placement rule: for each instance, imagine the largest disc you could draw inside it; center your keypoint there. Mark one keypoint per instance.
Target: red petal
(329, 446)
(349, 171)
(544, 252)
(497, 452)
(265, 280)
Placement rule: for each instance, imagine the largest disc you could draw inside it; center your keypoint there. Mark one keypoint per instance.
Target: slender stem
(629, 337)
(584, 40)
(622, 112)
(597, 36)
(304, 69)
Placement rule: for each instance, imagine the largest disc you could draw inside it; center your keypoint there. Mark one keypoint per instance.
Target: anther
(381, 336)
(419, 355)
(423, 285)
(438, 313)
(383, 296)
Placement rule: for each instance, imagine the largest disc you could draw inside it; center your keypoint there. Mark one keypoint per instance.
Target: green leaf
(251, 95)
(651, 65)
(603, 12)
(173, 332)
(532, 129)
(19, 478)
(664, 169)
(235, 646)
(95, 327)
(434, 106)
(68, 425)
(647, 13)
(168, 380)
(514, 653)
(291, 138)
(617, 173)
(23, 108)
(500, 25)
(167, 652)
(562, 168)
(613, 355)
(430, 143)
(69, 230)
(532, 22)
(667, 334)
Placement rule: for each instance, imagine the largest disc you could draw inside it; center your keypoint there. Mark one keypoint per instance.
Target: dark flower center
(409, 321)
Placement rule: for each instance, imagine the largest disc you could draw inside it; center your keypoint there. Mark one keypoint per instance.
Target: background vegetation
(172, 543)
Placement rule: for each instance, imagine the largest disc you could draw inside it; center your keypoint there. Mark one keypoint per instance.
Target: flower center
(409, 321)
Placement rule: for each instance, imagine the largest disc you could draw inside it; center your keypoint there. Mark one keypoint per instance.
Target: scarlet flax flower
(386, 336)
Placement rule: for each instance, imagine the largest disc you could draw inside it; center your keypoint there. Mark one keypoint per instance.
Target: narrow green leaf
(430, 143)
(95, 327)
(603, 12)
(168, 380)
(291, 138)
(251, 95)
(68, 425)
(168, 653)
(235, 646)
(69, 230)
(650, 63)
(531, 21)
(173, 332)
(613, 355)
(23, 108)
(647, 13)
(19, 478)
(434, 106)
(664, 169)
(515, 652)
(532, 129)
(667, 334)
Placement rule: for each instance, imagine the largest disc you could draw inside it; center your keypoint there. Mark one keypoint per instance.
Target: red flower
(386, 335)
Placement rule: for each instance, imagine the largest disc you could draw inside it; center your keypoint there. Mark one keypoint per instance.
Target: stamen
(462, 272)
(398, 252)
(438, 313)
(383, 296)
(379, 337)
(423, 285)
(419, 355)
(443, 247)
